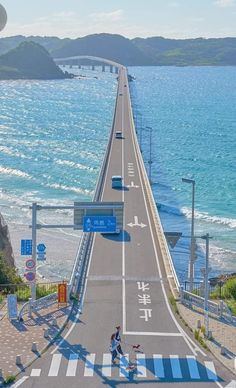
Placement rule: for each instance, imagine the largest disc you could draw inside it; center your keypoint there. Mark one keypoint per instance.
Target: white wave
(73, 164)
(204, 216)
(12, 152)
(69, 188)
(13, 172)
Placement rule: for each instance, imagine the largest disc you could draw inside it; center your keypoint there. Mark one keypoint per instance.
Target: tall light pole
(192, 251)
(150, 155)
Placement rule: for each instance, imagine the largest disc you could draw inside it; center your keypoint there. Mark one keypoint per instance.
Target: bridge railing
(168, 263)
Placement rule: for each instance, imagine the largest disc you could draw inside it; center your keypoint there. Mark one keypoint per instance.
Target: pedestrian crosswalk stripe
(89, 365)
(158, 366)
(210, 369)
(141, 365)
(193, 368)
(35, 373)
(175, 366)
(124, 364)
(55, 364)
(162, 367)
(106, 365)
(72, 365)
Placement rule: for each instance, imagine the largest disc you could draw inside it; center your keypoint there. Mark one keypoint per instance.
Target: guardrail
(190, 300)
(38, 304)
(168, 263)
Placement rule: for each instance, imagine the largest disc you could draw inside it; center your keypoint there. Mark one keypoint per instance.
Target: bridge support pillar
(93, 67)
(117, 70)
(103, 68)
(111, 69)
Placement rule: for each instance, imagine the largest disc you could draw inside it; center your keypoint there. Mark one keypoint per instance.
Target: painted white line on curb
(21, 381)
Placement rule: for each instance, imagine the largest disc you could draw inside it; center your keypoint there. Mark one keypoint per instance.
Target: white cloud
(113, 16)
(225, 3)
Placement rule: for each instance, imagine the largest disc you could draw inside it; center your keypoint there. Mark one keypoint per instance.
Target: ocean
(53, 136)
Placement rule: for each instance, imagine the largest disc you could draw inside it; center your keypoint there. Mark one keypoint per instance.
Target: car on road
(119, 135)
(116, 182)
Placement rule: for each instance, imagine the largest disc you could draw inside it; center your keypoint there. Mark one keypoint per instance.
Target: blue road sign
(41, 256)
(26, 247)
(41, 247)
(102, 224)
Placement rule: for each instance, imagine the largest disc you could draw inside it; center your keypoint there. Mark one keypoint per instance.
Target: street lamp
(150, 154)
(192, 252)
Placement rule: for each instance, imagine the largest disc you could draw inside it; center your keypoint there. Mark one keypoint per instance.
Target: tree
(8, 274)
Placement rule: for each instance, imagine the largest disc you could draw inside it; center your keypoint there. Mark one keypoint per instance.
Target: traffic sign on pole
(30, 276)
(102, 224)
(30, 264)
(41, 247)
(26, 247)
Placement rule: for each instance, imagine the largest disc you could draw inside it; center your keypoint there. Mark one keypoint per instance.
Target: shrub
(229, 289)
(9, 379)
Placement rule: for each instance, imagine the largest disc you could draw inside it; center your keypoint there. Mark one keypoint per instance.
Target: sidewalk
(16, 337)
(223, 334)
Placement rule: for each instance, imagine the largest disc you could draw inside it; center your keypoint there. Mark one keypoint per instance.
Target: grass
(231, 303)
(23, 293)
(172, 301)
(9, 379)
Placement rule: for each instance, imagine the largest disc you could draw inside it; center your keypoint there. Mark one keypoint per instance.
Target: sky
(130, 18)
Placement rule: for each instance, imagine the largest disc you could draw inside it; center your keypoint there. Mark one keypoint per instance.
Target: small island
(30, 61)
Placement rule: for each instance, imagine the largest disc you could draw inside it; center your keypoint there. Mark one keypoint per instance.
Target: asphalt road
(126, 286)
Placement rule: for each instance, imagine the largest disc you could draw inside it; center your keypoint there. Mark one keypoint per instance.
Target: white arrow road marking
(133, 185)
(136, 223)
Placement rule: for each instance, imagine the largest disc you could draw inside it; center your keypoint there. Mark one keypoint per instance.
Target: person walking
(113, 348)
(118, 339)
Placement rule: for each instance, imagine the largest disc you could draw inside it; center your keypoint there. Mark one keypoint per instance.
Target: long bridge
(127, 281)
(78, 59)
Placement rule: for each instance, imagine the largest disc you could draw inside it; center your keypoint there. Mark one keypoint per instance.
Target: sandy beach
(61, 249)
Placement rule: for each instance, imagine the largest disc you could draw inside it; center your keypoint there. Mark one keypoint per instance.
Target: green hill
(138, 51)
(29, 61)
(109, 46)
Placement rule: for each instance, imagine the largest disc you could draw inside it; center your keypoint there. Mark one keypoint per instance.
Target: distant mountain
(29, 61)
(114, 47)
(156, 51)
(188, 52)
(49, 43)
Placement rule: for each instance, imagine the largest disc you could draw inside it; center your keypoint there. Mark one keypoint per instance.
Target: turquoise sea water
(53, 135)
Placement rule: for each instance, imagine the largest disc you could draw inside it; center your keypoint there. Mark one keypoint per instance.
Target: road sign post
(34, 242)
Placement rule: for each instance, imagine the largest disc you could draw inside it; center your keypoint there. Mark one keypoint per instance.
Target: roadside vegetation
(227, 293)
(12, 283)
